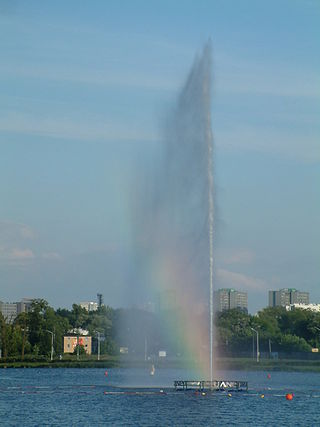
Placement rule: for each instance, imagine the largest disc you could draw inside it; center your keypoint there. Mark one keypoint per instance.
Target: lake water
(67, 397)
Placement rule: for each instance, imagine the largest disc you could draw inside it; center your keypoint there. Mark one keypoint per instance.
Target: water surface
(66, 397)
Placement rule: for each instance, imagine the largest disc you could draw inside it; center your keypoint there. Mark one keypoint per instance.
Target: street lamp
(258, 353)
(98, 333)
(100, 337)
(316, 327)
(52, 335)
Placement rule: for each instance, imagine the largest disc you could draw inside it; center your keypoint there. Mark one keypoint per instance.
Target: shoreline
(236, 364)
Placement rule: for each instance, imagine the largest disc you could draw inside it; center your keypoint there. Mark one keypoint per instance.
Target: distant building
(10, 310)
(228, 298)
(287, 296)
(78, 331)
(24, 306)
(100, 300)
(89, 305)
(70, 343)
(311, 307)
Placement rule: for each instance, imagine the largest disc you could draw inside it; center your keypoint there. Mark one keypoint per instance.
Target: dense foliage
(29, 335)
(279, 330)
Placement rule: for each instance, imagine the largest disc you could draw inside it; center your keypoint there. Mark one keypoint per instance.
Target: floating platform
(216, 385)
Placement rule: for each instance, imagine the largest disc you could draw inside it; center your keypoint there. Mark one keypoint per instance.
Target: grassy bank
(67, 362)
(245, 364)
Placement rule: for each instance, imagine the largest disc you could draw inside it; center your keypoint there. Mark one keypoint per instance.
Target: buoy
(269, 376)
(106, 373)
(262, 396)
(229, 394)
(289, 396)
(203, 394)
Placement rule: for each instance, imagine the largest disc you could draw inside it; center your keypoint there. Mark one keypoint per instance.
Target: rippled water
(66, 397)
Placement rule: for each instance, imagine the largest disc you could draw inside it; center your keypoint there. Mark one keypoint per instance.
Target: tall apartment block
(10, 310)
(287, 296)
(227, 299)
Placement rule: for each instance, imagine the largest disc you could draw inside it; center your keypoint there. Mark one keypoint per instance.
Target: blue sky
(84, 91)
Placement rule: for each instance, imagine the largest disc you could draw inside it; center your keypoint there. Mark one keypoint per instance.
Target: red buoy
(106, 373)
(268, 376)
(289, 396)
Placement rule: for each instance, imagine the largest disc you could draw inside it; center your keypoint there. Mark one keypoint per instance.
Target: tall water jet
(174, 224)
(210, 209)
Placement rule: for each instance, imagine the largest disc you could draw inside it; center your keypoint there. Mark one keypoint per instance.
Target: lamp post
(258, 353)
(52, 335)
(253, 346)
(78, 346)
(98, 333)
(316, 327)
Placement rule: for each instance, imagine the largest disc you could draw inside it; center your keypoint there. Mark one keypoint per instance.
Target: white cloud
(16, 255)
(15, 240)
(20, 254)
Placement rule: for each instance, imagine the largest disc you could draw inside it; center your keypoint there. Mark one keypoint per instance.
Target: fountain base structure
(215, 385)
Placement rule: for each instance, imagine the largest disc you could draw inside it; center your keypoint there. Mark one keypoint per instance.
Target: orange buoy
(289, 396)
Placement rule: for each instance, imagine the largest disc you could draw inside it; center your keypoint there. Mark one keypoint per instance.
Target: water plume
(175, 222)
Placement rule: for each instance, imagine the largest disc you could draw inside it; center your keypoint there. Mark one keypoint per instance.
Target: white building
(79, 331)
(312, 307)
(89, 305)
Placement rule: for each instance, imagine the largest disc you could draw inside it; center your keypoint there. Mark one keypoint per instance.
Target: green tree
(293, 343)
(21, 324)
(238, 324)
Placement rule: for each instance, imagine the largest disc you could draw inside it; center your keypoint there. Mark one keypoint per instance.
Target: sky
(85, 87)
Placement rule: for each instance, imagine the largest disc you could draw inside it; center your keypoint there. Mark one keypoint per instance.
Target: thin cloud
(70, 129)
(240, 256)
(11, 231)
(284, 143)
(96, 77)
(238, 280)
(235, 75)
(51, 256)
(16, 256)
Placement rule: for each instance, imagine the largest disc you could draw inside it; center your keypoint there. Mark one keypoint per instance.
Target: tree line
(29, 334)
(279, 330)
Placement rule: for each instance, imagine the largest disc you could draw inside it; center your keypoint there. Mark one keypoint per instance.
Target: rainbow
(190, 325)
